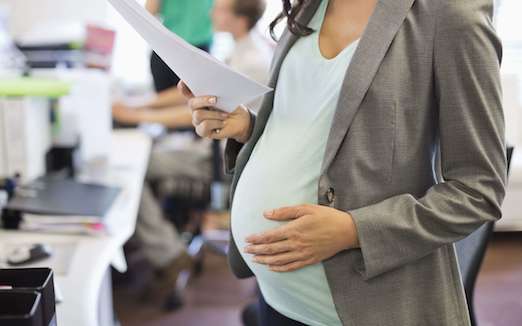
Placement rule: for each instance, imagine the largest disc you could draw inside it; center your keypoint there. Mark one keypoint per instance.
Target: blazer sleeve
(402, 229)
(233, 147)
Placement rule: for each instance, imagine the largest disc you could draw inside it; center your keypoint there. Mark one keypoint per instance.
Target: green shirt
(189, 19)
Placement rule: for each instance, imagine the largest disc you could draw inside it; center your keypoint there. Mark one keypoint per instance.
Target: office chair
(470, 254)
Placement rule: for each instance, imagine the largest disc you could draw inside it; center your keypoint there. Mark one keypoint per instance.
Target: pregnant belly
(290, 292)
(263, 187)
(259, 190)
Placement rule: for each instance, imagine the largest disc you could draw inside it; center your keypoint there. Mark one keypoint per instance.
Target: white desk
(83, 284)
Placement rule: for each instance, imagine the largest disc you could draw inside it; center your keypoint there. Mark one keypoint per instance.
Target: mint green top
(34, 87)
(189, 19)
(284, 170)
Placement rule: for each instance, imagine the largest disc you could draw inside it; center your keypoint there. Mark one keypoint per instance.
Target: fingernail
(269, 213)
(247, 249)
(212, 100)
(224, 115)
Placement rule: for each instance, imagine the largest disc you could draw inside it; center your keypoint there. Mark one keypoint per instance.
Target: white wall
(24, 14)
(509, 28)
(131, 53)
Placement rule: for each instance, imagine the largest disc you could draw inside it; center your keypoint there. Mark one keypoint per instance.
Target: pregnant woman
(381, 145)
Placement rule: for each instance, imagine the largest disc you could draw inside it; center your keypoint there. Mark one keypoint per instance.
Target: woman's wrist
(354, 235)
(349, 237)
(247, 132)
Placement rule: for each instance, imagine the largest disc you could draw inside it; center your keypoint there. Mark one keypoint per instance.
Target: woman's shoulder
(463, 27)
(458, 14)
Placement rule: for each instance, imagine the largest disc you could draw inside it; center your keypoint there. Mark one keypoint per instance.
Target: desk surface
(126, 168)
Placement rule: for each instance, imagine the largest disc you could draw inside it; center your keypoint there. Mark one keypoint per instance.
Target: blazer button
(330, 195)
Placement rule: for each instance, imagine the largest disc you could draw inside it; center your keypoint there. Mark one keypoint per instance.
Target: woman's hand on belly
(313, 234)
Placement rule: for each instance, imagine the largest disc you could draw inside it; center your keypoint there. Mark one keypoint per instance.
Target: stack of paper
(68, 225)
(202, 73)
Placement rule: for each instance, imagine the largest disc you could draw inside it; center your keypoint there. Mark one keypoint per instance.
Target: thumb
(184, 89)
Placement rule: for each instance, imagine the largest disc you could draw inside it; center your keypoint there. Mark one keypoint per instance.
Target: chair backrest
(217, 161)
(470, 253)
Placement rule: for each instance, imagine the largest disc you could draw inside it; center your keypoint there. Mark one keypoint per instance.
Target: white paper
(202, 73)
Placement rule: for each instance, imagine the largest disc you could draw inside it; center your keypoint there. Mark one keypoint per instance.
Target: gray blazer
(424, 80)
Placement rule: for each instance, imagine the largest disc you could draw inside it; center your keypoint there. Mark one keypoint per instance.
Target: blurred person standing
(190, 20)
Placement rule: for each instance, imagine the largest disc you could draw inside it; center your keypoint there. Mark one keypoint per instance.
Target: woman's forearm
(167, 98)
(174, 117)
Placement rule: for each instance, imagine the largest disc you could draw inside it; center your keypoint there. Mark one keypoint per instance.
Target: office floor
(498, 296)
(216, 298)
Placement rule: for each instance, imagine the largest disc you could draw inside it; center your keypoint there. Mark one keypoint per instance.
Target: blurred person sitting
(251, 55)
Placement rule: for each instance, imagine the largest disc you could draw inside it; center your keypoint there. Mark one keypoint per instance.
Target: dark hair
(252, 10)
(290, 12)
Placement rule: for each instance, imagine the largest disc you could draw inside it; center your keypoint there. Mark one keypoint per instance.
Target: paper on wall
(202, 73)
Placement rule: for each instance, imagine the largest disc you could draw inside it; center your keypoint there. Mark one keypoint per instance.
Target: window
(509, 29)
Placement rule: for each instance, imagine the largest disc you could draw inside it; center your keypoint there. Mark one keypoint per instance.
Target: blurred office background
(131, 53)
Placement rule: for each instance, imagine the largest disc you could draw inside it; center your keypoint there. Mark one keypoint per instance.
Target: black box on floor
(20, 308)
(30, 280)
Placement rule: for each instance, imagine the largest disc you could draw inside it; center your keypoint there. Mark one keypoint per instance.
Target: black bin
(20, 308)
(30, 280)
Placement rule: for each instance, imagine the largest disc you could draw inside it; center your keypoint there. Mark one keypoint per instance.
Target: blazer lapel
(384, 23)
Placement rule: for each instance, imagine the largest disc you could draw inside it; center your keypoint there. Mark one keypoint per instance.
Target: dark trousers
(268, 316)
(163, 77)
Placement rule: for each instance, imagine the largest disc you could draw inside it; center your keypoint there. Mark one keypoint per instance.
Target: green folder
(34, 87)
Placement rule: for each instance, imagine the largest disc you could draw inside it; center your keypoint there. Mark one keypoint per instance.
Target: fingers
(183, 88)
(279, 260)
(277, 234)
(208, 122)
(201, 115)
(196, 102)
(290, 267)
(201, 102)
(209, 128)
(270, 249)
(288, 213)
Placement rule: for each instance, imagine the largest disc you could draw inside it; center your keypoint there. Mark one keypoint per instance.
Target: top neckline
(316, 35)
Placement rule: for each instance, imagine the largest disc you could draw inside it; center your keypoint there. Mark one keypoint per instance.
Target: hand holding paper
(202, 73)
